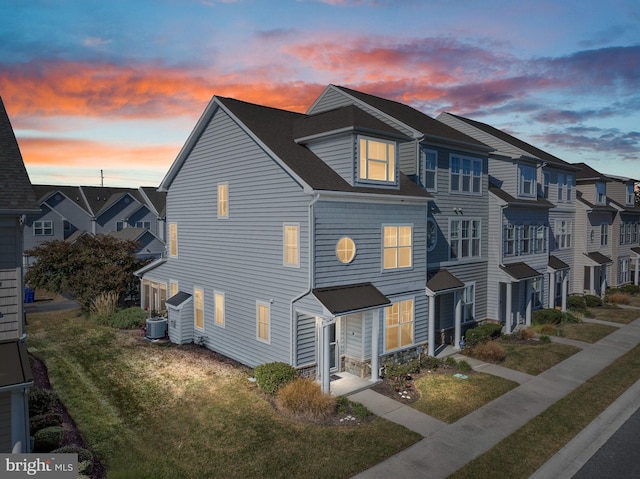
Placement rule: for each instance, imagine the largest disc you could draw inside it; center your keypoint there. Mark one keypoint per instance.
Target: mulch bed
(72, 436)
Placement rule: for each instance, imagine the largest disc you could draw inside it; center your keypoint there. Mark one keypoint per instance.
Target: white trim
(218, 215)
(423, 155)
(195, 308)
(268, 306)
(473, 160)
(394, 170)
(284, 245)
(217, 293)
(397, 300)
(382, 245)
(459, 258)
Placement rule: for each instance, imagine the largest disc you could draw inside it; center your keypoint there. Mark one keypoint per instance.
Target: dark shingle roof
(43, 192)
(443, 280)
(591, 206)
(16, 192)
(520, 271)
(636, 250)
(179, 298)
(274, 128)
(351, 297)
(586, 173)
(598, 258)
(557, 264)
(100, 198)
(539, 202)
(414, 118)
(157, 198)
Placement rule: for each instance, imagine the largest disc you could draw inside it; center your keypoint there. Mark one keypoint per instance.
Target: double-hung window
(527, 180)
(398, 246)
(223, 200)
(464, 239)
(560, 187)
(604, 234)
(218, 300)
(43, 228)
(468, 303)
(465, 175)
(509, 236)
(601, 193)
(630, 195)
(263, 319)
(540, 239)
(563, 234)
(198, 308)
(398, 319)
(173, 239)
(430, 169)
(377, 160)
(525, 239)
(291, 237)
(536, 292)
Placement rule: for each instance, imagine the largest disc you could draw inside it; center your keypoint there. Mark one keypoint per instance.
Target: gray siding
(353, 341)
(305, 340)
(241, 256)
(339, 154)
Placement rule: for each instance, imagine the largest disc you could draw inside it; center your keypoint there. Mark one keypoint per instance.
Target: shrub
(576, 303)
(569, 317)
(44, 420)
(48, 439)
(547, 329)
(547, 316)
(545, 339)
(483, 333)
(304, 399)
(359, 410)
(396, 370)
(130, 318)
(429, 362)
(629, 289)
(464, 366)
(85, 457)
(489, 351)
(271, 377)
(41, 401)
(103, 306)
(525, 334)
(592, 301)
(450, 361)
(618, 298)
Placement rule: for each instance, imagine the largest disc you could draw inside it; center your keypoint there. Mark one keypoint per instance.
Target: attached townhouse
(71, 211)
(17, 199)
(304, 238)
(626, 231)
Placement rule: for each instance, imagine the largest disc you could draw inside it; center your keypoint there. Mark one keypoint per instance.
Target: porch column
(592, 280)
(529, 298)
(458, 320)
(603, 284)
(375, 341)
(326, 352)
(552, 289)
(508, 306)
(432, 326)
(565, 288)
(635, 279)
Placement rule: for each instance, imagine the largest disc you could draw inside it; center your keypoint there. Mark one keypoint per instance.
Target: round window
(345, 250)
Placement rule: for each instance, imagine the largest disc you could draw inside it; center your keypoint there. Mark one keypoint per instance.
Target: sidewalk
(447, 447)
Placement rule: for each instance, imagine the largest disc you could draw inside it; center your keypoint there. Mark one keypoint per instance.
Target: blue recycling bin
(29, 295)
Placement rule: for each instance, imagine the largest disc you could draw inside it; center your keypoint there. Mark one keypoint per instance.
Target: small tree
(90, 266)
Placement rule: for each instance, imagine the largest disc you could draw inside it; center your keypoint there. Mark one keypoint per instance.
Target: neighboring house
(531, 223)
(17, 198)
(626, 231)
(68, 211)
(452, 167)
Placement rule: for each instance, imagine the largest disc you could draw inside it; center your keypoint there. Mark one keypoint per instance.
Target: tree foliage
(86, 268)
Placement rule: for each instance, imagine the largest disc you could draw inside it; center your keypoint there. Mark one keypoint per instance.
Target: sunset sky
(119, 85)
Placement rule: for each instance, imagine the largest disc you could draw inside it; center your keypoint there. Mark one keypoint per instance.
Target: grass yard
(587, 332)
(635, 301)
(450, 398)
(614, 314)
(548, 432)
(535, 358)
(165, 411)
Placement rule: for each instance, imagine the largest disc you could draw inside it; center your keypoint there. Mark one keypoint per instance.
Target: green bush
(547, 316)
(41, 401)
(359, 410)
(48, 439)
(464, 366)
(396, 370)
(575, 302)
(130, 318)
(483, 333)
(450, 361)
(85, 457)
(44, 420)
(568, 317)
(545, 339)
(629, 289)
(430, 363)
(271, 377)
(592, 301)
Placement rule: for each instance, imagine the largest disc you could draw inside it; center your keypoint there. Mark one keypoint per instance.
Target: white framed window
(623, 270)
(628, 232)
(432, 234)
(569, 188)
(377, 160)
(198, 308)
(398, 320)
(469, 303)
(536, 293)
(263, 321)
(397, 247)
(291, 240)
(509, 238)
(525, 239)
(601, 193)
(218, 304)
(527, 180)
(546, 179)
(630, 195)
(154, 295)
(622, 233)
(143, 224)
(223, 200)
(604, 234)
(465, 175)
(43, 228)
(560, 187)
(430, 169)
(634, 233)
(345, 250)
(563, 234)
(173, 239)
(464, 238)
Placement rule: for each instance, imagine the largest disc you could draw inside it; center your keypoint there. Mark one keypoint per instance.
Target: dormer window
(601, 193)
(630, 194)
(377, 160)
(527, 180)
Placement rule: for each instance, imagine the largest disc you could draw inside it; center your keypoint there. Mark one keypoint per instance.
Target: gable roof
(415, 119)
(520, 271)
(273, 129)
(101, 198)
(598, 258)
(506, 143)
(350, 297)
(158, 199)
(443, 280)
(16, 192)
(539, 202)
(557, 264)
(586, 173)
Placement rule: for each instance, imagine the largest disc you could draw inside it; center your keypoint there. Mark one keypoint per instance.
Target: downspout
(311, 249)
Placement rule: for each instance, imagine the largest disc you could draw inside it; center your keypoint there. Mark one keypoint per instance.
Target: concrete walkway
(447, 447)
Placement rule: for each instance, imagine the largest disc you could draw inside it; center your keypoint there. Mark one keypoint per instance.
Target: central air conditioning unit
(156, 328)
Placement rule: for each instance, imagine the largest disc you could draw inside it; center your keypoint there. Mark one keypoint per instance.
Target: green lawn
(166, 411)
(614, 314)
(448, 398)
(535, 358)
(548, 432)
(587, 332)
